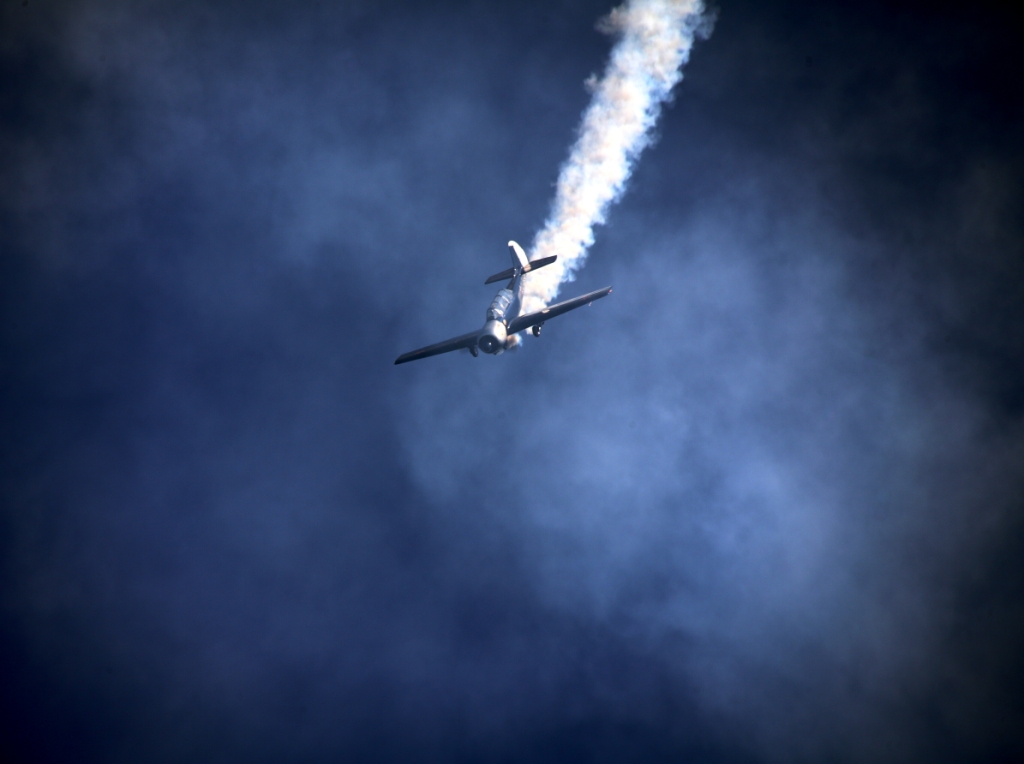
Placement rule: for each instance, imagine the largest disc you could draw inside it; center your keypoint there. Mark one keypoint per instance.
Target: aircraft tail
(520, 264)
(518, 256)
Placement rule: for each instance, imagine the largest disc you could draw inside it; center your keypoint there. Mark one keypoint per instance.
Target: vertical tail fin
(520, 264)
(518, 256)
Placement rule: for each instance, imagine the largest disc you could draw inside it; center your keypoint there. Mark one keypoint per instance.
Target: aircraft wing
(525, 322)
(455, 343)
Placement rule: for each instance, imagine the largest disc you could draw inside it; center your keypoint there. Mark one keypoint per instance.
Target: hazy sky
(764, 503)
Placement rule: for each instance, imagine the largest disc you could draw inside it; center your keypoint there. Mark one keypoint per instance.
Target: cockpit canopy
(500, 305)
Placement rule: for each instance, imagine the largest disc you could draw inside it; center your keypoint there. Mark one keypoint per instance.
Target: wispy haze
(762, 504)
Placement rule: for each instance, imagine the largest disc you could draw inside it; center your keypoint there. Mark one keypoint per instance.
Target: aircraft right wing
(455, 343)
(525, 322)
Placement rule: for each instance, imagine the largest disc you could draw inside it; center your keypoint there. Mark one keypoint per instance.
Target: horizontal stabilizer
(530, 266)
(501, 276)
(535, 264)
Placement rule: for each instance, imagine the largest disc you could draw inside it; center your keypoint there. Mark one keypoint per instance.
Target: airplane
(503, 319)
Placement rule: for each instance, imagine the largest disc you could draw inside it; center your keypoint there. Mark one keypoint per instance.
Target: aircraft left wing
(455, 343)
(525, 322)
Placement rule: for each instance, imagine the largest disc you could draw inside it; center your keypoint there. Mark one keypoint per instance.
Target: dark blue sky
(764, 503)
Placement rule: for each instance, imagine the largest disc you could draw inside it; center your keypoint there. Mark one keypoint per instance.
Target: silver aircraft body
(503, 319)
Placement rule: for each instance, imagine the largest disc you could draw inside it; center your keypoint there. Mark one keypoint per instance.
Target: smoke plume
(655, 41)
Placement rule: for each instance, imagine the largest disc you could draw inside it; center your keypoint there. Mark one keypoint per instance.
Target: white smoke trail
(655, 42)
